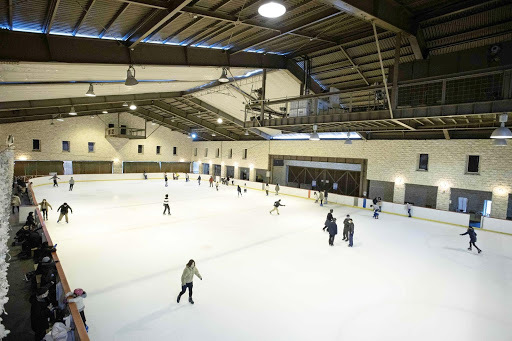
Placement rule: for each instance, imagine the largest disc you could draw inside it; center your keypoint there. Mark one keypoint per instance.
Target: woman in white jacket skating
(186, 280)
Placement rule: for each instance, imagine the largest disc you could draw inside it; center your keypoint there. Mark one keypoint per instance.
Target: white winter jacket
(79, 300)
(188, 274)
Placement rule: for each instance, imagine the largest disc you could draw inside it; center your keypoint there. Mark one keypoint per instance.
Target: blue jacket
(472, 234)
(333, 228)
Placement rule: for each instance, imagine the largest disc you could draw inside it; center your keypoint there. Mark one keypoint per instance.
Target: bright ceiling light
(72, 111)
(246, 132)
(130, 78)
(153, 123)
(90, 92)
(500, 142)
(92, 116)
(213, 134)
(272, 9)
(219, 120)
(194, 135)
(60, 119)
(125, 104)
(314, 136)
(502, 132)
(133, 106)
(105, 112)
(224, 76)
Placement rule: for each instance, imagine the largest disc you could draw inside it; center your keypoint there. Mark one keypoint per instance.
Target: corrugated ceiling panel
(417, 6)
(469, 45)
(131, 17)
(98, 17)
(68, 15)
(236, 32)
(177, 24)
(29, 15)
(190, 31)
(472, 35)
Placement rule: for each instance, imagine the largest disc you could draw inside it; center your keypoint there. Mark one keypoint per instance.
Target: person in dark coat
(166, 179)
(31, 221)
(472, 238)
(326, 194)
(54, 178)
(276, 206)
(199, 180)
(328, 220)
(333, 231)
(40, 313)
(239, 190)
(64, 211)
(345, 227)
(350, 233)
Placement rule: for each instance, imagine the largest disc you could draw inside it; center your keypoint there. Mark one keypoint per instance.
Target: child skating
(71, 183)
(276, 206)
(239, 190)
(472, 238)
(375, 212)
(166, 205)
(54, 178)
(166, 179)
(217, 186)
(187, 280)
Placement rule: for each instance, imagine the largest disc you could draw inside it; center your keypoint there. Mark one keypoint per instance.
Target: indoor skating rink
(270, 277)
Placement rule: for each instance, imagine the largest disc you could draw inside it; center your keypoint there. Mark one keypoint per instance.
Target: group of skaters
(332, 228)
(56, 183)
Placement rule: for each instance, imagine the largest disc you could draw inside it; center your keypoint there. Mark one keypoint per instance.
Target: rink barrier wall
(497, 225)
(80, 330)
(422, 213)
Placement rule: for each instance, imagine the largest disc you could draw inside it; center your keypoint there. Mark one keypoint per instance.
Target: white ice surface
(269, 277)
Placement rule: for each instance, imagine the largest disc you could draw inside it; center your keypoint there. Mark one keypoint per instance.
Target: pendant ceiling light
(104, 112)
(502, 132)
(272, 9)
(133, 106)
(314, 136)
(125, 104)
(219, 120)
(90, 92)
(348, 141)
(500, 142)
(224, 76)
(72, 111)
(246, 132)
(60, 119)
(130, 78)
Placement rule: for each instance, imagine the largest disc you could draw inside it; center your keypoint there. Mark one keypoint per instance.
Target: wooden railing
(80, 331)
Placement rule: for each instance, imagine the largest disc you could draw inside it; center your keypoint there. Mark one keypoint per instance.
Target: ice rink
(269, 277)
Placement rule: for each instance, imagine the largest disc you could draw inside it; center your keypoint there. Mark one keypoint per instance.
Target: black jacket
(332, 228)
(351, 228)
(329, 216)
(39, 313)
(64, 209)
(472, 234)
(277, 204)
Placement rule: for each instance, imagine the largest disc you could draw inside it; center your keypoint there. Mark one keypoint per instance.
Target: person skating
(345, 227)
(375, 212)
(145, 175)
(199, 180)
(77, 297)
(266, 189)
(166, 205)
(217, 186)
(277, 189)
(15, 203)
(316, 197)
(325, 196)
(64, 211)
(472, 238)
(187, 280)
(44, 208)
(54, 178)
(276, 206)
(211, 181)
(245, 188)
(321, 198)
(186, 177)
(166, 180)
(379, 203)
(239, 190)
(71, 183)
(409, 208)
(350, 233)
(333, 231)
(328, 220)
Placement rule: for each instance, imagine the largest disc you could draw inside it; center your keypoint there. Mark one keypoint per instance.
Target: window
(174, 150)
(206, 152)
(473, 164)
(65, 146)
(90, 145)
(140, 149)
(423, 163)
(158, 150)
(195, 151)
(244, 156)
(36, 145)
(230, 154)
(217, 154)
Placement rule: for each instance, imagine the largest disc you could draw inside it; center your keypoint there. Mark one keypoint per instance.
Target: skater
(379, 203)
(350, 233)
(71, 183)
(217, 186)
(345, 227)
(321, 198)
(276, 206)
(328, 220)
(266, 189)
(245, 188)
(166, 205)
(316, 197)
(227, 181)
(166, 180)
(333, 231)
(375, 212)
(472, 238)
(44, 208)
(15, 203)
(64, 211)
(54, 178)
(145, 175)
(325, 196)
(77, 297)
(239, 190)
(186, 280)
(211, 181)
(409, 208)
(277, 189)
(186, 177)
(199, 180)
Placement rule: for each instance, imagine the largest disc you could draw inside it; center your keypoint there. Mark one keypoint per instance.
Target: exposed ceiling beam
(55, 48)
(387, 14)
(50, 15)
(119, 12)
(156, 20)
(196, 120)
(298, 73)
(446, 134)
(83, 15)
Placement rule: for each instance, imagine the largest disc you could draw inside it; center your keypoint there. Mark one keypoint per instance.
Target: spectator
(15, 203)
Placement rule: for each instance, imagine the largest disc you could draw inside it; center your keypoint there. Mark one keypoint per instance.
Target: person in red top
(211, 181)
